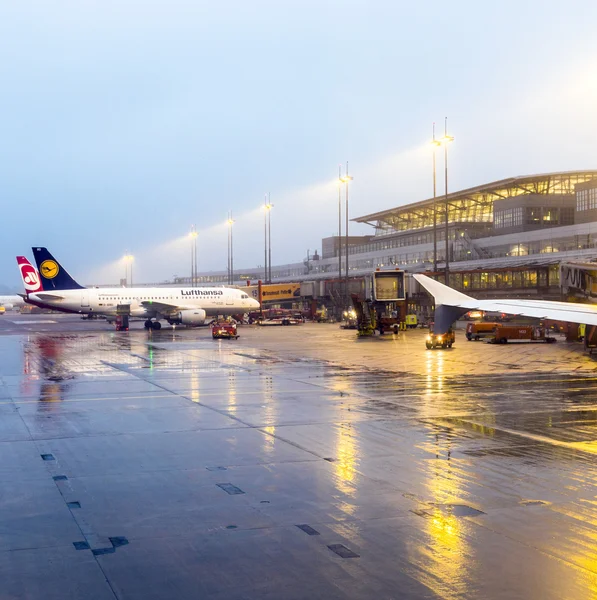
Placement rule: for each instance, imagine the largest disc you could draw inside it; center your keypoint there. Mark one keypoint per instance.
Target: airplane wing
(571, 312)
(162, 307)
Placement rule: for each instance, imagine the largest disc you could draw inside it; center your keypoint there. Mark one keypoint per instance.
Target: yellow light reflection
(269, 414)
(447, 569)
(232, 401)
(345, 461)
(195, 395)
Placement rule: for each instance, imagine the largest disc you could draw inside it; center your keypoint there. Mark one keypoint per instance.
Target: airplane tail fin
(443, 294)
(53, 275)
(30, 276)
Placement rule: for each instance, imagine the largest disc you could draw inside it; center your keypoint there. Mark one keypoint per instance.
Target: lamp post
(193, 237)
(128, 267)
(345, 180)
(230, 222)
(267, 207)
(435, 143)
(269, 238)
(445, 141)
(340, 222)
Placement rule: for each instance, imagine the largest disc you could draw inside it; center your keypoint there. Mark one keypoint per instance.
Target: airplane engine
(7, 305)
(195, 316)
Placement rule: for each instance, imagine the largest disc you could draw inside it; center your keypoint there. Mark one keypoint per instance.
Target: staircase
(365, 318)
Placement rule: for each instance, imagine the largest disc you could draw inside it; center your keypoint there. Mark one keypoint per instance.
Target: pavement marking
(32, 322)
(35, 399)
(581, 446)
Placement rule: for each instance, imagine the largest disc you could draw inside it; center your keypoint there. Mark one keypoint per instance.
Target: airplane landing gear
(148, 324)
(156, 325)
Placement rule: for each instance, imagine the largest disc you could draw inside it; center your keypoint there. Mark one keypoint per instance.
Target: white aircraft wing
(162, 307)
(571, 312)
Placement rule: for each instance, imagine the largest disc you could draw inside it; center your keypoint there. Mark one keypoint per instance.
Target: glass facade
(586, 199)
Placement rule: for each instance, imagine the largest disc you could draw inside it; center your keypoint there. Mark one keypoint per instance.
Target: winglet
(443, 294)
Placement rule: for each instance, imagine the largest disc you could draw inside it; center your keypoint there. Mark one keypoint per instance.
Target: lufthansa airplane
(184, 306)
(451, 304)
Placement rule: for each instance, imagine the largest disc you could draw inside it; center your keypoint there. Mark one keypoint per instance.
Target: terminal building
(511, 235)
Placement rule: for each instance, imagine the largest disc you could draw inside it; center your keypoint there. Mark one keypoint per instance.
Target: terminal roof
(476, 204)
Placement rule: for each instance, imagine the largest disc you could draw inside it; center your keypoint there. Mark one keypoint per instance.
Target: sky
(124, 122)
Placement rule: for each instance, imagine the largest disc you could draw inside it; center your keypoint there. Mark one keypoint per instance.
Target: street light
(339, 222)
(230, 222)
(193, 237)
(445, 141)
(128, 266)
(345, 180)
(267, 207)
(436, 144)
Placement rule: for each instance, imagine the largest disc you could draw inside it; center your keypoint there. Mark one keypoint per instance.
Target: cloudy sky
(123, 122)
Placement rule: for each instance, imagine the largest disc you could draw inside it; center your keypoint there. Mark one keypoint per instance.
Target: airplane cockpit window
(244, 297)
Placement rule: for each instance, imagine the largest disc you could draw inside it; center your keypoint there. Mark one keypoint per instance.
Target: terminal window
(508, 217)
(586, 199)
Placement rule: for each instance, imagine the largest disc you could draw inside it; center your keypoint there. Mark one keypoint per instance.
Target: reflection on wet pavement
(179, 467)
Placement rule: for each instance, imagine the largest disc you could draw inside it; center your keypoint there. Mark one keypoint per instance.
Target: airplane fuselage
(148, 302)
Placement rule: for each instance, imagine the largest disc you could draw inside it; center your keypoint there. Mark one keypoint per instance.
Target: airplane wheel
(148, 324)
(156, 325)
(429, 346)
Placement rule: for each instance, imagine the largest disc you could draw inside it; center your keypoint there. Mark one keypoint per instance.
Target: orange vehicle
(503, 334)
(480, 329)
(225, 330)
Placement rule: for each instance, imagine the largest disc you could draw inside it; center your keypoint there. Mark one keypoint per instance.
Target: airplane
(451, 304)
(10, 302)
(177, 306)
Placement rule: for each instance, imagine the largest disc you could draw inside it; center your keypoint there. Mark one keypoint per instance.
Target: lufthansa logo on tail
(49, 269)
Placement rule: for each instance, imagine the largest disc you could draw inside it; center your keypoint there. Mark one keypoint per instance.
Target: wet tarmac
(295, 462)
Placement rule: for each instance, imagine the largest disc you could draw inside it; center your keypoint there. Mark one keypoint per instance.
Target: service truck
(504, 334)
(480, 329)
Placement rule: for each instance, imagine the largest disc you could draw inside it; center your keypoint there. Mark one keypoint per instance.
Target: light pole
(269, 238)
(340, 222)
(435, 143)
(267, 207)
(193, 237)
(230, 222)
(128, 261)
(445, 141)
(345, 180)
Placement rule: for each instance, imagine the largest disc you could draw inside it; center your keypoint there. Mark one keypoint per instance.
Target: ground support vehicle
(285, 320)
(504, 334)
(122, 322)
(590, 337)
(2, 310)
(350, 319)
(444, 340)
(480, 329)
(224, 330)
(411, 321)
